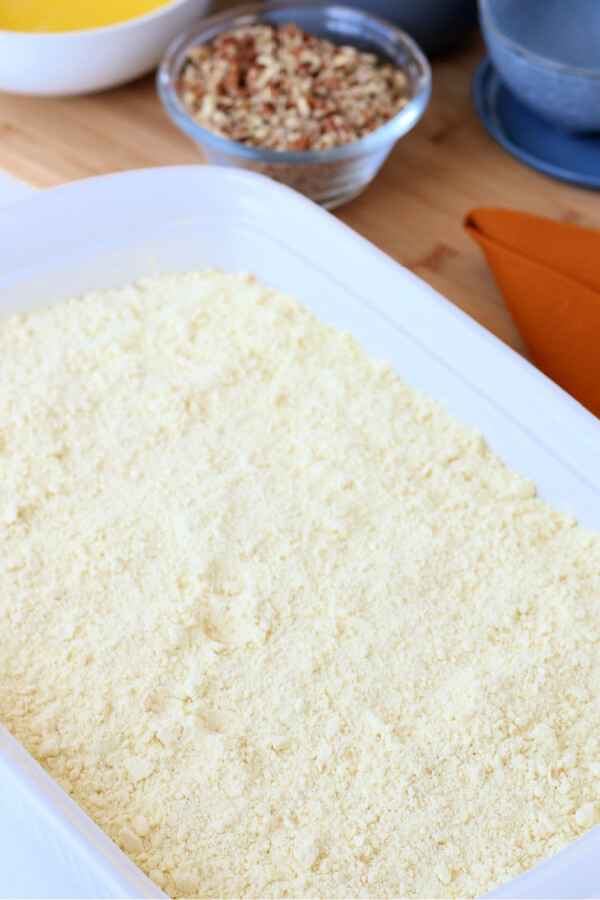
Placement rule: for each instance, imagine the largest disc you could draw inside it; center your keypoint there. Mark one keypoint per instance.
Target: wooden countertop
(413, 210)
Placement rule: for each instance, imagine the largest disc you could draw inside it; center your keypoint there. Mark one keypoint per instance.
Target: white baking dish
(107, 231)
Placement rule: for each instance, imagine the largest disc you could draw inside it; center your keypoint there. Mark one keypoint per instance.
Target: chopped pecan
(281, 88)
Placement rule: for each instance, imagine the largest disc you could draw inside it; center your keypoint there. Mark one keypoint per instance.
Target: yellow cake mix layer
(279, 623)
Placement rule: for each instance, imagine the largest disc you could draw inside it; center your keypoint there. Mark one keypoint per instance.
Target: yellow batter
(70, 15)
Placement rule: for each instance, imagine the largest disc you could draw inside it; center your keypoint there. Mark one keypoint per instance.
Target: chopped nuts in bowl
(312, 95)
(280, 88)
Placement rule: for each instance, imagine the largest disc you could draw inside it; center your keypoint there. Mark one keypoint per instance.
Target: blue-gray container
(434, 24)
(547, 52)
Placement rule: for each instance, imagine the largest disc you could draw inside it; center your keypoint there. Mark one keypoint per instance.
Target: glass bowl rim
(545, 62)
(399, 125)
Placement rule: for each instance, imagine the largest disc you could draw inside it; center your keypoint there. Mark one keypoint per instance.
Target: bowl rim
(395, 128)
(486, 16)
(74, 33)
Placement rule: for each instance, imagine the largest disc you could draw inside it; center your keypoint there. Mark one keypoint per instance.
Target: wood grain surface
(413, 211)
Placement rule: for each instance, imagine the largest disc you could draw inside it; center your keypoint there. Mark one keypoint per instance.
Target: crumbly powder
(280, 624)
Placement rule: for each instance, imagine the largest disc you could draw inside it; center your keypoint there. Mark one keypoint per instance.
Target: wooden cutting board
(413, 211)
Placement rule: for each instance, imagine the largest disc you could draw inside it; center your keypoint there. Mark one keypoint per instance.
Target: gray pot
(434, 24)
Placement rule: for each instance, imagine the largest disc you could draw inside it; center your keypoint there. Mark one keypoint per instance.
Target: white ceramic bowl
(79, 62)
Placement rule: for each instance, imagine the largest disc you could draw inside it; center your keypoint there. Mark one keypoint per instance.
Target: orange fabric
(549, 275)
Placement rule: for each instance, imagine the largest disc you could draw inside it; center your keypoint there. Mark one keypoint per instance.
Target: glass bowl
(329, 177)
(554, 69)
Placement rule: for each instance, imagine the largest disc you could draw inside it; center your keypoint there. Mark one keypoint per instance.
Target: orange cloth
(549, 275)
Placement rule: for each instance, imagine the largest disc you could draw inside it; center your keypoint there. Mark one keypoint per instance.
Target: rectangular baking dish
(108, 231)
